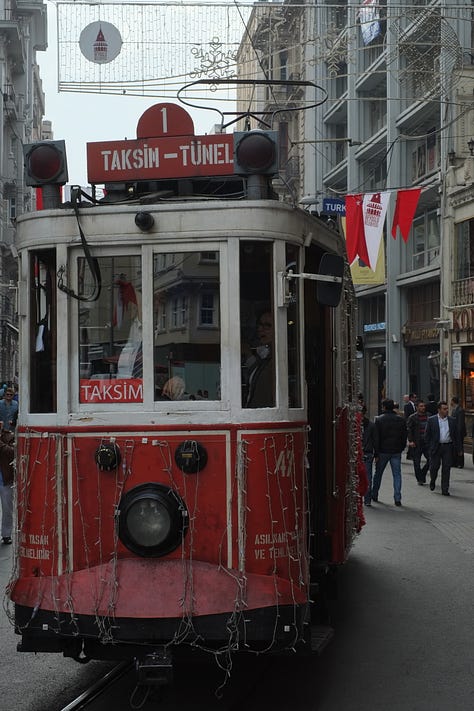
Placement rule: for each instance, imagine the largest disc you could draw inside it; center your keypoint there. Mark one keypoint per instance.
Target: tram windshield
(110, 330)
(186, 319)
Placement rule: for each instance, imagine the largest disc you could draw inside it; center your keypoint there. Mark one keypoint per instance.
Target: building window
(426, 240)
(464, 250)
(423, 303)
(207, 312)
(179, 311)
(209, 257)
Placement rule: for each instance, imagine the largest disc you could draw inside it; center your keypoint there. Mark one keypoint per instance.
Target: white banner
(374, 209)
(369, 18)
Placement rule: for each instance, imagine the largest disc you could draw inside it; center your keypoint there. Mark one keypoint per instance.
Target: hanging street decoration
(100, 42)
(365, 218)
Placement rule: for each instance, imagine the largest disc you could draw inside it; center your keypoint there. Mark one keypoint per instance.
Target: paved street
(404, 626)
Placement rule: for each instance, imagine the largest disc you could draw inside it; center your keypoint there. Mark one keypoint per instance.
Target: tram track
(95, 690)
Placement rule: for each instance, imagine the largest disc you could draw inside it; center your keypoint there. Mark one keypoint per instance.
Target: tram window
(110, 331)
(186, 321)
(43, 354)
(292, 330)
(257, 324)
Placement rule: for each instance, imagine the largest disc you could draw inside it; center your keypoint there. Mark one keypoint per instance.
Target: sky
(80, 118)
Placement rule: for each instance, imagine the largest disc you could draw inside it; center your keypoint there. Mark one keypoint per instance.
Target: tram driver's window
(257, 319)
(186, 322)
(110, 331)
(43, 333)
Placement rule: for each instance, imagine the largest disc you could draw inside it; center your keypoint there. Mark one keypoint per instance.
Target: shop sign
(463, 320)
(457, 365)
(420, 334)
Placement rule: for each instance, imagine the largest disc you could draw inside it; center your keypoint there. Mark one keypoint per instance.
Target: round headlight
(152, 520)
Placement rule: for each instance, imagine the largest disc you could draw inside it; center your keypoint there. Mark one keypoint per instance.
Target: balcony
(462, 292)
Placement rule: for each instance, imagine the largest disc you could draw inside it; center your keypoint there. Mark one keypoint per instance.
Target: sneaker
(398, 503)
(375, 498)
(368, 503)
(6, 540)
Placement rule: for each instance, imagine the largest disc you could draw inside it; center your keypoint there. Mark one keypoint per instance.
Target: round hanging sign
(100, 42)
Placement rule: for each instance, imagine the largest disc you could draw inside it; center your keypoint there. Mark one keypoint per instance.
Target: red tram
(186, 445)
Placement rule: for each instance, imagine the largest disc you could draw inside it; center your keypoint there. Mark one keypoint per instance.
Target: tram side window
(110, 331)
(186, 321)
(43, 355)
(257, 319)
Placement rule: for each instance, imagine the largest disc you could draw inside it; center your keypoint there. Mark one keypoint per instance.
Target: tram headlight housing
(256, 152)
(45, 163)
(152, 520)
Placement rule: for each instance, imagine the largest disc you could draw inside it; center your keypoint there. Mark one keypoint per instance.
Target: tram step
(321, 635)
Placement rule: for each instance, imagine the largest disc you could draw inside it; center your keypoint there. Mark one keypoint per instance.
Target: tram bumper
(159, 601)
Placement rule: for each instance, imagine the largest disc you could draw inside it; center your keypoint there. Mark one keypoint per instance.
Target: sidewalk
(451, 516)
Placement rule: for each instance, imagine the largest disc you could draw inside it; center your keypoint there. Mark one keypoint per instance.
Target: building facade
(391, 100)
(23, 32)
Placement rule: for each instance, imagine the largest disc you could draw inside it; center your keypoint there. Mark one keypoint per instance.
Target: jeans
(368, 463)
(396, 466)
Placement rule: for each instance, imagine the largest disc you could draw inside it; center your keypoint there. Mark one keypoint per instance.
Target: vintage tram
(186, 469)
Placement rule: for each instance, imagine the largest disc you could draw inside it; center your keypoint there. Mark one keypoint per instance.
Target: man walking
(416, 427)
(410, 406)
(443, 442)
(390, 441)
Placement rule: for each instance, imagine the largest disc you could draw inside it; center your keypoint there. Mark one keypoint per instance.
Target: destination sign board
(157, 158)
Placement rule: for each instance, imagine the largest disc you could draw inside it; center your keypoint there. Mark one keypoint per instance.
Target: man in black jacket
(443, 442)
(390, 441)
(416, 427)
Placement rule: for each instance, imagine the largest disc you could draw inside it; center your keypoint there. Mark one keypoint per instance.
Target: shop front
(422, 344)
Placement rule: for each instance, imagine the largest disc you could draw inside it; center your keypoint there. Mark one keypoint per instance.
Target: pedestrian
(442, 440)
(459, 415)
(390, 441)
(416, 427)
(6, 484)
(410, 406)
(368, 452)
(431, 405)
(8, 416)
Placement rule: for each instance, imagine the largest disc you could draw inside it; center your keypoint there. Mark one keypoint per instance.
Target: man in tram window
(259, 365)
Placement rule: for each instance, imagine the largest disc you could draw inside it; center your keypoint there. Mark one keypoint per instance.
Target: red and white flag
(355, 236)
(374, 209)
(405, 208)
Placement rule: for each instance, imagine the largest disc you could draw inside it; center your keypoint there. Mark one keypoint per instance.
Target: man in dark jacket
(390, 441)
(416, 426)
(443, 442)
(368, 449)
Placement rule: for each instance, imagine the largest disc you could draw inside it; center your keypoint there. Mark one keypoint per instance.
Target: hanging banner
(374, 209)
(369, 18)
(361, 273)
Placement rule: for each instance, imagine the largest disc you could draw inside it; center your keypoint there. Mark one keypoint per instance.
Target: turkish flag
(355, 232)
(405, 208)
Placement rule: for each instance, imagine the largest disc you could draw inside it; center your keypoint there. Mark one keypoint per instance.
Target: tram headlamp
(45, 163)
(256, 152)
(152, 520)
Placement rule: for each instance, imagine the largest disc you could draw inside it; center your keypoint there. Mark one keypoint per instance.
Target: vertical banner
(361, 273)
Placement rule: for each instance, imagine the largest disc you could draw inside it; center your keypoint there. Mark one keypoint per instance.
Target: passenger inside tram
(258, 364)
